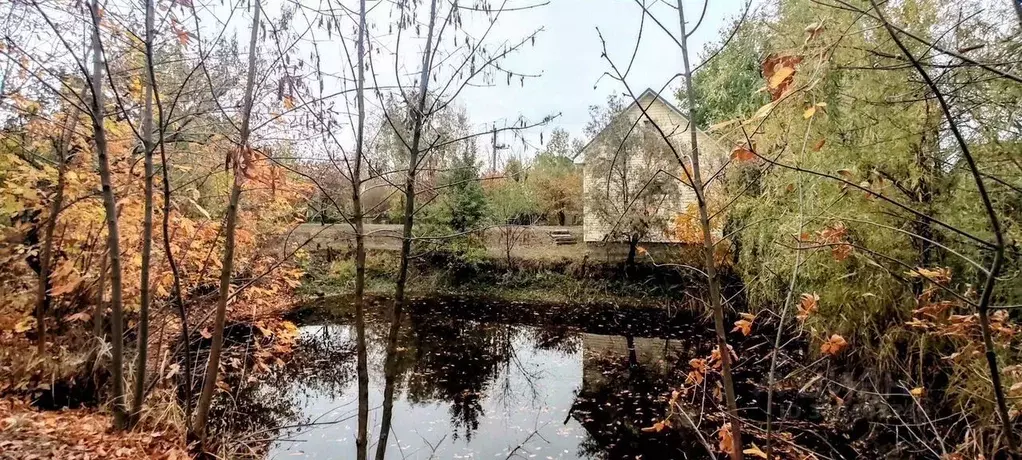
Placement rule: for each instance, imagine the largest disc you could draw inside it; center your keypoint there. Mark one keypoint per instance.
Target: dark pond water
(481, 380)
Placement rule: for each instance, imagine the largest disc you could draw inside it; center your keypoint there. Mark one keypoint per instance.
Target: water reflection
(468, 386)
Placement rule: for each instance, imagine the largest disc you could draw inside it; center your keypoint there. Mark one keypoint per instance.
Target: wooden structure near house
(562, 236)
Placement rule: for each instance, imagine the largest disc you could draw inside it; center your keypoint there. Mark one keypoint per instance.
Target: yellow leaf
(918, 392)
(780, 75)
(26, 324)
(809, 112)
(764, 111)
(755, 451)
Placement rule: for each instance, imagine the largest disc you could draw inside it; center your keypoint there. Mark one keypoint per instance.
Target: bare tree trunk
(771, 376)
(97, 316)
(147, 225)
(633, 246)
(113, 236)
(213, 365)
(361, 440)
(708, 250)
(418, 115)
(177, 298)
(45, 254)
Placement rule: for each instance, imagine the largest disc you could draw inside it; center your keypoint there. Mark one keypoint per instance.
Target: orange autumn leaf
(656, 428)
(743, 154)
(727, 444)
(808, 305)
(819, 144)
(744, 324)
(779, 70)
(834, 345)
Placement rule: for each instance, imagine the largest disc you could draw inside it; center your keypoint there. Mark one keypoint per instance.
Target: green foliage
(511, 202)
(555, 181)
(453, 218)
(858, 112)
(515, 170)
(726, 87)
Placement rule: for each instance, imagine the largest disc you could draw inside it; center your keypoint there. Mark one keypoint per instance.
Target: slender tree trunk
(771, 376)
(633, 245)
(97, 316)
(361, 440)
(45, 254)
(213, 365)
(177, 298)
(418, 115)
(113, 236)
(708, 250)
(147, 225)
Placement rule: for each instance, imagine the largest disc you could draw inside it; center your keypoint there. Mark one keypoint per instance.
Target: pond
(481, 379)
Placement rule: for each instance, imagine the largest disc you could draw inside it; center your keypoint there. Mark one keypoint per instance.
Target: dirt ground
(536, 243)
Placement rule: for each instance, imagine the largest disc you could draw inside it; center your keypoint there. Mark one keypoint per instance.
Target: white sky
(568, 54)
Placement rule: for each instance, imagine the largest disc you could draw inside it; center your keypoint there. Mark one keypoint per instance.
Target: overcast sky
(568, 54)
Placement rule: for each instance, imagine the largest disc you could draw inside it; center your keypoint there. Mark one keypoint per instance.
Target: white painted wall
(675, 126)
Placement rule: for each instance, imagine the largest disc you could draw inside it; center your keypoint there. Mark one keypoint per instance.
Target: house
(630, 174)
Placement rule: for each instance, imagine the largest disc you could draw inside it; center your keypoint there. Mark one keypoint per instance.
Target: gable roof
(657, 97)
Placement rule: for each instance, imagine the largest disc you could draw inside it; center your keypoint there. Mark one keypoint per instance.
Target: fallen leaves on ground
(26, 432)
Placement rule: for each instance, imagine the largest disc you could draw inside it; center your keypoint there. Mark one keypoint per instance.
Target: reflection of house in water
(625, 385)
(652, 355)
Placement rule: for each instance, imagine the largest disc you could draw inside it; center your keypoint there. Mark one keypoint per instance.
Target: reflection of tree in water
(323, 364)
(556, 338)
(456, 361)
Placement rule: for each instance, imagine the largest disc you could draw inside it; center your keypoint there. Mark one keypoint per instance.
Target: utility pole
(495, 147)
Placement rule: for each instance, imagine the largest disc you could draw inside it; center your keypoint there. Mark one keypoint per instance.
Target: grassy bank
(568, 280)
